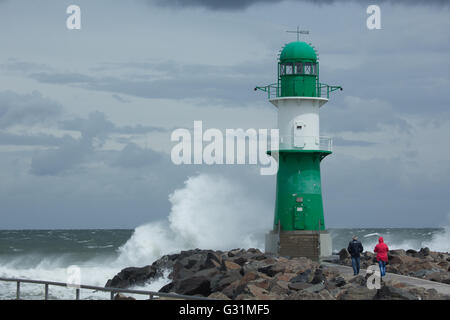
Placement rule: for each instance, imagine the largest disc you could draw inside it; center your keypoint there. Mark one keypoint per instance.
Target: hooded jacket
(381, 250)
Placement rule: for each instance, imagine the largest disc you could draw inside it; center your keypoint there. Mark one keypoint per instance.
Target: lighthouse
(298, 225)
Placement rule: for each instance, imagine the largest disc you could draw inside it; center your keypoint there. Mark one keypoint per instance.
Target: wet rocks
(249, 274)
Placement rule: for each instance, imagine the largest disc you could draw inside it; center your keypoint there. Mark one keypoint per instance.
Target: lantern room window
(308, 68)
(289, 68)
(298, 68)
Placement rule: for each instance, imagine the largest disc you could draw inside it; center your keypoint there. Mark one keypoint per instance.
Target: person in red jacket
(381, 250)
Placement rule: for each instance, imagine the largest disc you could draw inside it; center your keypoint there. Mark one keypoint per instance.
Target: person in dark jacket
(355, 248)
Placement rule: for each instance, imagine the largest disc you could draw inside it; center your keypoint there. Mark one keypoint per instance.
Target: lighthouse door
(299, 218)
(299, 139)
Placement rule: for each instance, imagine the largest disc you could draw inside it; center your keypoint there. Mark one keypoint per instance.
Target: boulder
(132, 276)
(120, 296)
(194, 286)
(339, 281)
(391, 293)
(298, 285)
(424, 251)
(344, 254)
(306, 276)
(218, 296)
(221, 281)
(230, 265)
(357, 293)
(319, 277)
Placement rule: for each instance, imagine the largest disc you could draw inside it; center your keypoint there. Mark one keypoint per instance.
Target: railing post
(151, 297)
(77, 294)
(18, 291)
(46, 291)
(112, 295)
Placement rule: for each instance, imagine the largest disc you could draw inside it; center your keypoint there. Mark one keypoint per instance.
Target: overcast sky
(86, 115)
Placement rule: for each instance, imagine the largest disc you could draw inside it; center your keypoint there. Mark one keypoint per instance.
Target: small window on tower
(298, 68)
(308, 68)
(289, 68)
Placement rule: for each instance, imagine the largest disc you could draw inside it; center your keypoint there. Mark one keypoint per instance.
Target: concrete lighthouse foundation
(299, 243)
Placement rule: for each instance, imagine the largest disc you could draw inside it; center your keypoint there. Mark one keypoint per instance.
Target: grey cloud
(191, 81)
(71, 154)
(97, 124)
(59, 161)
(133, 156)
(33, 140)
(26, 109)
(243, 4)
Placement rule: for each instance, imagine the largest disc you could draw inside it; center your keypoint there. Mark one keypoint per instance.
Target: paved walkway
(347, 273)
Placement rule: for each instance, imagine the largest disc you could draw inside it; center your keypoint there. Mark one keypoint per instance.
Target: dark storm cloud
(96, 128)
(26, 109)
(243, 4)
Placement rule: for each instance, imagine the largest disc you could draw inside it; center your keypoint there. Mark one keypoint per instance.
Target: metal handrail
(274, 90)
(151, 294)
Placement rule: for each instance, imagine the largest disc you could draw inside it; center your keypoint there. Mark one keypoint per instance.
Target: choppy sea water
(100, 254)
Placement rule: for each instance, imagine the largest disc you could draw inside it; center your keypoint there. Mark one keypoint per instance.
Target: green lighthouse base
(299, 243)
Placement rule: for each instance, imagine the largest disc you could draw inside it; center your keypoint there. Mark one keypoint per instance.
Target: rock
(120, 296)
(306, 276)
(357, 293)
(360, 280)
(193, 286)
(131, 276)
(230, 290)
(221, 281)
(285, 276)
(422, 273)
(424, 251)
(218, 296)
(343, 254)
(230, 265)
(260, 293)
(298, 285)
(339, 281)
(398, 259)
(315, 288)
(272, 270)
(411, 252)
(319, 277)
(240, 261)
(438, 277)
(390, 293)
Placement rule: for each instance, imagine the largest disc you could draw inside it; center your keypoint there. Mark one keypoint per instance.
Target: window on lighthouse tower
(289, 68)
(298, 68)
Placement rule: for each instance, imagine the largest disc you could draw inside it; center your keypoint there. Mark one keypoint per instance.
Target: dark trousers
(355, 265)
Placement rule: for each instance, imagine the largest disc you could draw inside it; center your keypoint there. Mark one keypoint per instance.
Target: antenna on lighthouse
(298, 32)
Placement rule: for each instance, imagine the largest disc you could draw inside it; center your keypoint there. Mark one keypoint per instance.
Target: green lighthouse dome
(298, 50)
